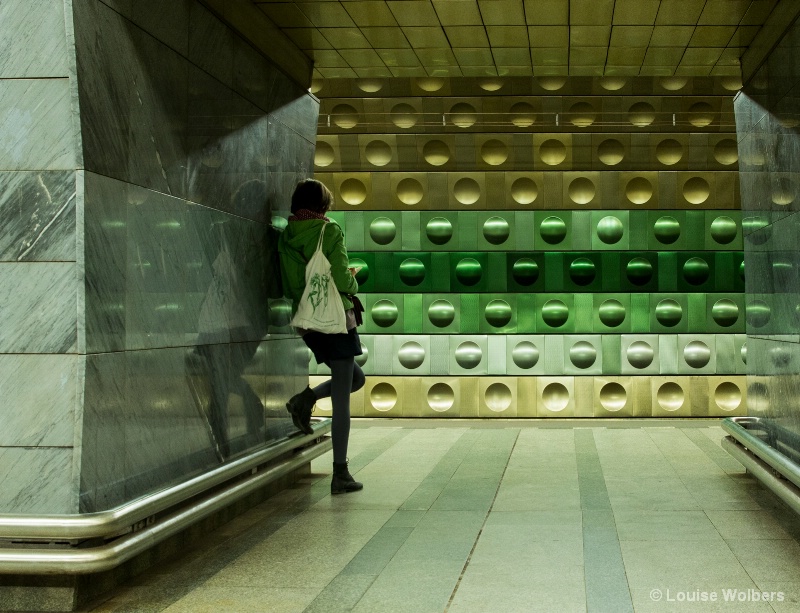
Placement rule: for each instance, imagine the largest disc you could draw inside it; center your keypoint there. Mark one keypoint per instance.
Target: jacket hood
(299, 239)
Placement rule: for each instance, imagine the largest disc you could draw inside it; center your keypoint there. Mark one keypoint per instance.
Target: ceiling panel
(522, 37)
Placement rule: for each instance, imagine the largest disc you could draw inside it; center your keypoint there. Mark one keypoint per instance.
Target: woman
(310, 201)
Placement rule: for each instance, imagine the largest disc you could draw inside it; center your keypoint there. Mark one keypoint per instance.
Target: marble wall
(767, 120)
(192, 143)
(40, 365)
(144, 339)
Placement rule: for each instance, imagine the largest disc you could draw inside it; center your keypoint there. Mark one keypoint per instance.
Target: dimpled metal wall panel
(541, 247)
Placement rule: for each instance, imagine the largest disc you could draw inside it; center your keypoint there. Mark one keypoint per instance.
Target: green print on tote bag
(320, 307)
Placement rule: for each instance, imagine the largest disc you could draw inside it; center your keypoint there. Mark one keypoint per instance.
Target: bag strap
(321, 234)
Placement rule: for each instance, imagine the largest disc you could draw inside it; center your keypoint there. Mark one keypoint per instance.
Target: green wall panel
(525, 271)
(723, 230)
(525, 230)
(496, 230)
(666, 230)
(638, 272)
(470, 313)
(467, 230)
(640, 313)
(638, 230)
(384, 314)
(382, 231)
(413, 314)
(667, 272)
(469, 272)
(440, 267)
(354, 231)
(695, 236)
(582, 272)
(554, 272)
(441, 313)
(439, 231)
(553, 230)
(724, 313)
(669, 313)
(497, 280)
(611, 313)
(412, 235)
(610, 230)
(695, 271)
(555, 313)
(526, 313)
(368, 274)
(498, 313)
(412, 272)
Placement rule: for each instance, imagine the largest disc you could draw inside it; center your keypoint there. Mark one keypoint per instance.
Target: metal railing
(777, 472)
(134, 527)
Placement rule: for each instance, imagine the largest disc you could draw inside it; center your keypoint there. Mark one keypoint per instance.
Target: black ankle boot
(300, 406)
(342, 481)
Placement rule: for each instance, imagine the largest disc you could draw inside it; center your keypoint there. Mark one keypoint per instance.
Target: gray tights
(346, 377)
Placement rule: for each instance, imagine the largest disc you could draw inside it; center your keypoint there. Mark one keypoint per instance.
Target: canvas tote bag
(320, 307)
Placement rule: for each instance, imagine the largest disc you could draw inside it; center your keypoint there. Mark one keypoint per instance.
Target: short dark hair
(312, 195)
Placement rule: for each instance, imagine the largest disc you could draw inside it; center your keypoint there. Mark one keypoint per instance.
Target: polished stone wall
(192, 143)
(40, 367)
(143, 180)
(767, 120)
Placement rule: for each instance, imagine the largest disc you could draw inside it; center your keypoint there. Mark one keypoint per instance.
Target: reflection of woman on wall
(230, 331)
(310, 201)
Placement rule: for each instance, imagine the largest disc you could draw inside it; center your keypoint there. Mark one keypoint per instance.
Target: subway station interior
(574, 227)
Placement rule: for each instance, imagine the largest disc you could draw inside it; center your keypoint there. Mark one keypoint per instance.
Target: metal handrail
(121, 520)
(771, 456)
(77, 561)
(787, 492)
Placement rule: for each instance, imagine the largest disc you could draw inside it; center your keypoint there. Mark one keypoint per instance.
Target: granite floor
(474, 516)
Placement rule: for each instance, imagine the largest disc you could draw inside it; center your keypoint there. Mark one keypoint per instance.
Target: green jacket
(297, 244)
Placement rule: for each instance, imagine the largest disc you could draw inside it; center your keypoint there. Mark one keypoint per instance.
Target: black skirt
(327, 347)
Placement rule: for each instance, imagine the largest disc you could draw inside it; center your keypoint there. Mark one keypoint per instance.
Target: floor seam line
(478, 536)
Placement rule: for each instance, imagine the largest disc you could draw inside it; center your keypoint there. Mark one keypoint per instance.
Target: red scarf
(306, 215)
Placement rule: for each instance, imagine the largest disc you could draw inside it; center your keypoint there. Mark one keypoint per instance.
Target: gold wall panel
(497, 397)
(327, 155)
(494, 152)
(552, 151)
(466, 190)
(723, 152)
(727, 396)
(436, 153)
(404, 114)
(639, 190)
(584, 392)
(669, 151)
(671, 396)
(353, 191)
(696, 190)
(437, 397)
(582, 190)
(581, 112)
(378, 152)
(611, 151)
(613, 397)
(524, 189)
(409, 190)
(555, 397)
(383, 397)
